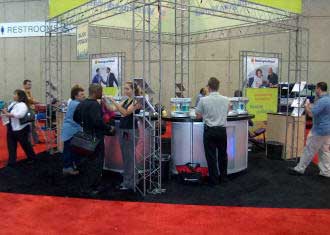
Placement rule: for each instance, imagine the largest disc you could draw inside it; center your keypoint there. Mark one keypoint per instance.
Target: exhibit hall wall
(23, 58)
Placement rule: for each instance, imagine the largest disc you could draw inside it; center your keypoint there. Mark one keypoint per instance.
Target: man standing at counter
(319, 138)
(213, 109)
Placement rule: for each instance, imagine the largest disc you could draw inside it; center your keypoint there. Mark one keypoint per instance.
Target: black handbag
(29, 117)
(84, 144)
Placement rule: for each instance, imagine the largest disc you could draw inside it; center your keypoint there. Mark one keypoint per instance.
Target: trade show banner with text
(82, 41)
(261, 102)
(107, 72)
(257, 70)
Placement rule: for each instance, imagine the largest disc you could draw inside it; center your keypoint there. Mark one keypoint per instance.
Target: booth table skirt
(113, 159)
(187, 144)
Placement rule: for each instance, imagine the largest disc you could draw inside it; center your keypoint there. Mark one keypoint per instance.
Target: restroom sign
(25, 29)
(29, 29)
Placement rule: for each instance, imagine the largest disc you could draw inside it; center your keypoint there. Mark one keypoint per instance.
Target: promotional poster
(107, 72)
(261, 72)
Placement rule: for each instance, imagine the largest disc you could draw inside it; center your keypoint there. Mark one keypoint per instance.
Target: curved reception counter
(187, 142)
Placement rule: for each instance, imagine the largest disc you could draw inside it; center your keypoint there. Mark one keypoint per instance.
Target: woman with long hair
(17, 132)
(126, 134)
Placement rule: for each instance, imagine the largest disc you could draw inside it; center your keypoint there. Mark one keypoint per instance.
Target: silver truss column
(53, 78)
(298, 65)
(147, 154)
(52, 60)
(182, 48)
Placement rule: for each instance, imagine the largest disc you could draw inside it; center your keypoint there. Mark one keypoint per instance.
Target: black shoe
(292, 171)
(323, 177)
(30, 160)
(90, 192)
(211, 184)
(223, 180)
(11, 165)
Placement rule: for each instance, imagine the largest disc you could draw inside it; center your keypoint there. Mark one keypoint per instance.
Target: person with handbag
(17, 130)
(126, 134)
(89, 115)
(70, 127)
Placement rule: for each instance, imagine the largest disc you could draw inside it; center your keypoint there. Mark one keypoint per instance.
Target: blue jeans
(68, 156)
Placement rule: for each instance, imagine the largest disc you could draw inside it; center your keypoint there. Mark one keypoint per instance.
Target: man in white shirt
(214, 109)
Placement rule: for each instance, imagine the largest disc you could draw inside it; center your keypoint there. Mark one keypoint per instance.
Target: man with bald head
(272, 78)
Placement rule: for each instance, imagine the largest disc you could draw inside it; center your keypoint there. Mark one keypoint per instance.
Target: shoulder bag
(84, 144)
(29, 117)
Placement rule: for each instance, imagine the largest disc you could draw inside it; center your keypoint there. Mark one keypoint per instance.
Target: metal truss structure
(53, 85)
(182, 48)
(146, 55)
(146, 35)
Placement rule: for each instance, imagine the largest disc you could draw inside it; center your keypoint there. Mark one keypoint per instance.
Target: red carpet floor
(20, 154)
(24, 214)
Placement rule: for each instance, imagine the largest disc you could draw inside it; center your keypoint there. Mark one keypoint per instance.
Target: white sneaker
(70, 171)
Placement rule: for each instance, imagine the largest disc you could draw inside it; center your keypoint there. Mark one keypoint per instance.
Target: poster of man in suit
(106, 71)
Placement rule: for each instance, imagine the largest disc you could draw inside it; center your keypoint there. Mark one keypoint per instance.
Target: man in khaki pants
(27, 86)
(318, 140)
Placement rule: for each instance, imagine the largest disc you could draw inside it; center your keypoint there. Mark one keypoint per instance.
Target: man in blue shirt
(97, 79)
(318, 140)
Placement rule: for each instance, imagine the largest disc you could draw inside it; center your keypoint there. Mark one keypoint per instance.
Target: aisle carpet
(24, 214)
(265, 184)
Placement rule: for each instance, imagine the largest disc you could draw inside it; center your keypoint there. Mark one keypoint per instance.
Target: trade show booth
(170, 48)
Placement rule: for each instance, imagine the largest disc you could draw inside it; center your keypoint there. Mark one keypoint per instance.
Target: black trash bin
(274, 150)
(166, 166)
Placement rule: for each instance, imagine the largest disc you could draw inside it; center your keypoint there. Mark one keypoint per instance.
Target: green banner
(58, 7)
(294, 6)
(261, 102)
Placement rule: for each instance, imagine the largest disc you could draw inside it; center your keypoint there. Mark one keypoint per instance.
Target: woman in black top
(126, 134)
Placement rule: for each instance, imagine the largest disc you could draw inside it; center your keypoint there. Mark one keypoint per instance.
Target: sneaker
(293, 171)
(70, 171)
(75, 167)
(123, 188)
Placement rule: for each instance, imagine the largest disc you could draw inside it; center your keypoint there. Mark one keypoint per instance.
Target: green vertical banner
(261, 102)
